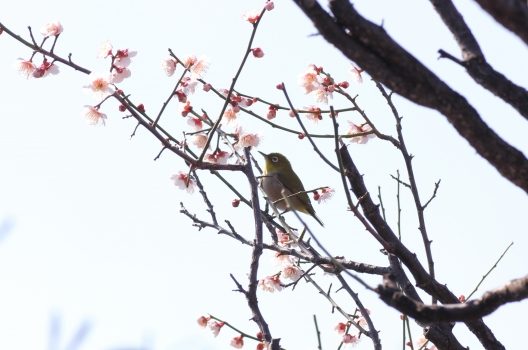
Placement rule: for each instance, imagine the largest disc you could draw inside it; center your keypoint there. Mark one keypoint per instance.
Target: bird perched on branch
(279, 181)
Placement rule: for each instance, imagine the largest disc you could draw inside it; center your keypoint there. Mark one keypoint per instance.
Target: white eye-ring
(274, 159)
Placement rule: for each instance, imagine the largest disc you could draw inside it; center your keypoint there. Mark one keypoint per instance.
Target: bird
(279, 176)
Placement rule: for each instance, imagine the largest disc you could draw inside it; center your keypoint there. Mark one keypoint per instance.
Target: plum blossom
(326, 193)
(215, 327)
(94, 116)
(246, 139)
(25, 67)
(238, 342)
(119, 74)
(341, 328)
(199, 140)
(314, 113)
(218, 157)
(100, 84)
(46, 68)
(252, 17)
(269, 5)
(310, 79)
(291, 272)
(183, 181)
(195, 123)
(203, 321)
(270, 284)
(350, 339)
(122, 57)
(283, 259)
(169, 66)
(197, 66)
(105, 50)
(51, 29)
(356, 129)
(230, 114)
(189, 85)
(356, 72)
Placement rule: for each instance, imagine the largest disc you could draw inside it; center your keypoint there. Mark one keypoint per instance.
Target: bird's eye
(274, 159)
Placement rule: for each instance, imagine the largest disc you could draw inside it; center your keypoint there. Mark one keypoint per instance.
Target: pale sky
(90, 229)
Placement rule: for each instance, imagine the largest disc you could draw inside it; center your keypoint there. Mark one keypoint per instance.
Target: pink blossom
(51, 29)
(252, 17)
(119, 74)
(283, 237)
(207, 87)
(169, 66)
(341, 328)
(257, 52)
(310, 79)
(356, 72)
(197, 66)
(199, 140)
(314, 113)
(45, 68)
(100, 84)
(203, 320)
(326, 193)
(123, 57)
(269, 5)
(189, 85)
(221, 156)
(94, 115)
(270, 284)
(356, 129)
(230, 114)
(237, 342)
(183, 181)
(105, 50)
(283, 259)
(215, 327)
(322, 94)
(195, 123)
(246, 139)
(350, 339)
(25, 67)
(291, 272)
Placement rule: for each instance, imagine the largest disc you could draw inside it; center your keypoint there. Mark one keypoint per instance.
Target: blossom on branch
(51, 29)
(270, 284)
(100, 84)
(183, 181)
(169, 66)
(25, 67)
(197, 66)
(203, 321)
(291, 272)
(238, 342)
(94, 116)
(356, 129)
(215, 327)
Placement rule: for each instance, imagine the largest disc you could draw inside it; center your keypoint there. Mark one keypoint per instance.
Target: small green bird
(279, 176)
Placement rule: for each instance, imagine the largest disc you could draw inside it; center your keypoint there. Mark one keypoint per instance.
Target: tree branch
(515, 290)
(376, 52)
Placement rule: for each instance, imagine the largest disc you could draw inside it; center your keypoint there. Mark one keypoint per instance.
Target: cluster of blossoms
(103, 84)
(321, 85)
(344, 330)
(28, 68)
(237, 342)
(289, 270)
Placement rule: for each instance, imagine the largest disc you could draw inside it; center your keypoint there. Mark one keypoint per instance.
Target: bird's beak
(263, 154)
